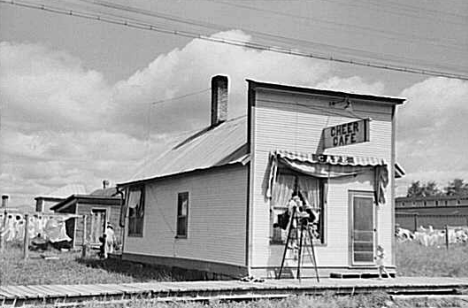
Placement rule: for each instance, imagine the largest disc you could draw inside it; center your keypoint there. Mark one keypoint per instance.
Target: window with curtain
(311, 192)
(182, 214)
(136, 211)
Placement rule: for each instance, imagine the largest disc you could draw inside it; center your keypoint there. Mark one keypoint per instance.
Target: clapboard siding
(216, 219)
(112, 216)
(295, 122)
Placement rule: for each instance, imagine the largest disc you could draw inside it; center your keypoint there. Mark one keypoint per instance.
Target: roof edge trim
(243, 162)
(254, 85)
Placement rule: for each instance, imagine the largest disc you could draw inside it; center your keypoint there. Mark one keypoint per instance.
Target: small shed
(101, 207)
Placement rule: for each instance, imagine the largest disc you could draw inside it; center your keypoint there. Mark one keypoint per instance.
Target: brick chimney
(219, 99)
(105, 184)
(4, 201)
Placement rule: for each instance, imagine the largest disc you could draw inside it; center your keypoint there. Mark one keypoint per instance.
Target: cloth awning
(330, 166)
(326, 166)
(340, 160)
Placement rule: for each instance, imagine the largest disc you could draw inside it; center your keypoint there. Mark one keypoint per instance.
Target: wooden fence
(412, 221)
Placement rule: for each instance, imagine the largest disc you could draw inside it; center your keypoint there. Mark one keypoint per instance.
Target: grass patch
(330, 300)
(36, 270)
(414, 259)
(70, 268)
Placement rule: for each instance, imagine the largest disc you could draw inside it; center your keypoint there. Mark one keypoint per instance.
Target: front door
(362, 228)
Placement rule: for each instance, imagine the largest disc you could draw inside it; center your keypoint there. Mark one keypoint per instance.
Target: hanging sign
(346, 134)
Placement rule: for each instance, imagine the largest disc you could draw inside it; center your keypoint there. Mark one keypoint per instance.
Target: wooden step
(358, 275)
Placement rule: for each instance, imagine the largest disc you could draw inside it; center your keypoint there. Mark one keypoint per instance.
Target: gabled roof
(64, 191)
(211, 147)
(88, 199)
(105, 192)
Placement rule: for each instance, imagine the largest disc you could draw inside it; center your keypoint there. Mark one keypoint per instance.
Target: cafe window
(182, 214)
(136, 211)
(311, 194)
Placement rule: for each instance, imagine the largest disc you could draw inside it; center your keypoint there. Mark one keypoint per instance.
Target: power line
(281, 50)
(276, 38)
(345, 27)
(379, 8)
(179, 97)
(342, 26)
(419, 9)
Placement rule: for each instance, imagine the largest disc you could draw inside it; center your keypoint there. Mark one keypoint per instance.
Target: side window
(182, 214)
(136, 211)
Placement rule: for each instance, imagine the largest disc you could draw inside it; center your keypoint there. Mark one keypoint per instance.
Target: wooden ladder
(305, 234)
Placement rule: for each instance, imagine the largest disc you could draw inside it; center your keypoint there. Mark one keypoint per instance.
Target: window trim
(142, 202)
(324, 210)
(182, 196)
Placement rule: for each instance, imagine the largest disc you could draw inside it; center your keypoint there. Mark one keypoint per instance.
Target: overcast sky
(76, 94)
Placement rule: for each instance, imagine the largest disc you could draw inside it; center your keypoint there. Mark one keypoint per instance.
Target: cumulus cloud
(63, 123)
(43, 89)
(35, 164)
(353, 84)
(190, 69)
(433, 131)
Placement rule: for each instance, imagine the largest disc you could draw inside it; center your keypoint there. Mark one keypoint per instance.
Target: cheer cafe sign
(346, 134)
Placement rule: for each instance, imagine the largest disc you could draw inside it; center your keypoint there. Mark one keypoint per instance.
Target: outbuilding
(99, 210)
(212, 202)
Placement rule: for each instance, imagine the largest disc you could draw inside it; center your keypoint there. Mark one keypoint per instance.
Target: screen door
(362, 227)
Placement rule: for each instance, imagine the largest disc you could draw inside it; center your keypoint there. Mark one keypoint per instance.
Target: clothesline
(4, 212)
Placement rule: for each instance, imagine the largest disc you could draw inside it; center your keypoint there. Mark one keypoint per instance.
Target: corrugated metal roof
(211, 147)
(67, 190)
(105, 192)
(98, 200)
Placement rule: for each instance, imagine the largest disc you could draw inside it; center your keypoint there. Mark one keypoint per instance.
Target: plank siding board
(294, 123)
(181, 291)
(46, 290)
(15, 291)
(216, 221)
(28, 293)
(4, 293)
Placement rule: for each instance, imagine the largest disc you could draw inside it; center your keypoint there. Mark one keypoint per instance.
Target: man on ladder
(300, 228)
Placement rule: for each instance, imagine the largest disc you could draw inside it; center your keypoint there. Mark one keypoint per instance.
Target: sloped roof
(65, 191)
(105, 192)
(211, 147)
(90, 199)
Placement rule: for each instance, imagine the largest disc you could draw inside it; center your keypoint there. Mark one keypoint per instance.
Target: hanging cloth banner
(380, 183)
(330, 166)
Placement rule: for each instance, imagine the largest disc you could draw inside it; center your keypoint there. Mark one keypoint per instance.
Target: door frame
(365, 194)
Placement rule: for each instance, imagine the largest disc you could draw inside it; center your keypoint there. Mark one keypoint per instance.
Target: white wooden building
(211, 202)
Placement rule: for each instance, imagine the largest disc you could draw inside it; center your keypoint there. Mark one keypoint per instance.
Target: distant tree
(457, 187)
(431, 189)
(418, 189)
(415, 189)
